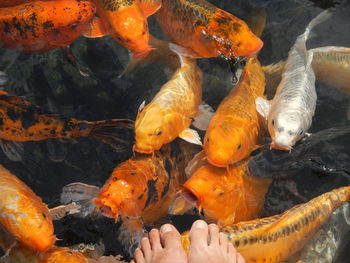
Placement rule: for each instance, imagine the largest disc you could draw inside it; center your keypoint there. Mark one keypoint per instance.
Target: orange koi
(22, 121)
(170, 113)
(20, 253)
(7, 3)
(236, 127)
(275, 239)
(126, 22)
(23, 214)
(224, 195)
(43, 25)
(203, 30)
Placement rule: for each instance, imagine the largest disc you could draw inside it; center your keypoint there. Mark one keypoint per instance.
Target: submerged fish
(170, 112)
(331, 65)
(141, 189)
(203, 30)
(39, 26)
(290, 113)
(126, 22)
(22, 121)
(21, 254)
(225, 196)
(23, 214)
(275, 239)
(236, 127)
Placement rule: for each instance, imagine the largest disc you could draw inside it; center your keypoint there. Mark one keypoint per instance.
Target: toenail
(199, 224)
(166, 228)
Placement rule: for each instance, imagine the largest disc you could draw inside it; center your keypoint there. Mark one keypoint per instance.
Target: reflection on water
(52, 82)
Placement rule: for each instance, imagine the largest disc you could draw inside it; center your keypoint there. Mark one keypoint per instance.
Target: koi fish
(126, 22)
(170, 112)
(23, 214)
(141, 189)
(21, 121)
(7, 3)
(225, 195)
(202, 30)
(331, 65)
(43, 25)
(275, 239)
(290, 113)
(236, 128)
(20, 253)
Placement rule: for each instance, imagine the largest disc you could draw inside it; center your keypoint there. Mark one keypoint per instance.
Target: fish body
(21, 254)
(226, 195)
(331, 65)
(126, 22)
(23, 214)
(204, 30)
(171, 111)
(145, 185)
(236, 127)
(39, 26)
(275, 239)
(22, 121)
(7, 3)
(290, 114)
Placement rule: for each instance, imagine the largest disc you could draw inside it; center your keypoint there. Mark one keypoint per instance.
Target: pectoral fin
(13, 150)
(190, 136)
(182, 51)
(149, 7)
(179, 206)
(262, 106)
(95, 29)
(202, 120)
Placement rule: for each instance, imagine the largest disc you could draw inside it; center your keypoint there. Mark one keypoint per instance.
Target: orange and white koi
(23, 214)
(39, 26)
(126, 22)
(236, 127)
(275, 239)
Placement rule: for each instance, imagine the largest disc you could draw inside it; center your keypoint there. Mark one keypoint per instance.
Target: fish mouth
(275, 146)
(145, 150)
(190, 197)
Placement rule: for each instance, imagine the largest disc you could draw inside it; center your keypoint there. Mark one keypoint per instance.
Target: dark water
(50, 81)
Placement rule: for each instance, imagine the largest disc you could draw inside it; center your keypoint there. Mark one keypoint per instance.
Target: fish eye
(239, 146)
(158, 132)
(273, 122)
(301, 132)
(290, 133)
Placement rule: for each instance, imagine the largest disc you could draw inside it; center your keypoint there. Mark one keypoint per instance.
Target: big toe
(170, 237)
(199, 233)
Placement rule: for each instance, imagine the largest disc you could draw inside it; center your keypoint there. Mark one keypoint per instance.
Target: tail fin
(107, 131)
(317, 20)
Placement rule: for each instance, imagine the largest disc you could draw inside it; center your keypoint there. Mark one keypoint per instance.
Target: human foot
(208, 245)
(162, 246)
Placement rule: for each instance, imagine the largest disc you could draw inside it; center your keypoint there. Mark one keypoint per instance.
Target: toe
(199, 233)
(154, 239)
(223, 242)
(233, 254)
(146, 249)
(170, 237)
(138, 256)
(213, 235)
(240, 259)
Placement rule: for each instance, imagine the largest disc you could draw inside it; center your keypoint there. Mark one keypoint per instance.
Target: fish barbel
(226, 195)
(39, 26)
(21, 121)
(274, 239)
(126, 22)
(331, 65)
(23, 214)
(290, 114)
(203, 30)
(170, 112)
(236, 127)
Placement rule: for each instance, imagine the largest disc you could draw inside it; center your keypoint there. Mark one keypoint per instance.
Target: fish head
(208, 190)
(285, 130)
(154, 127)
(233, 37)
(119, 196)
(131, 30)
(225, 142)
